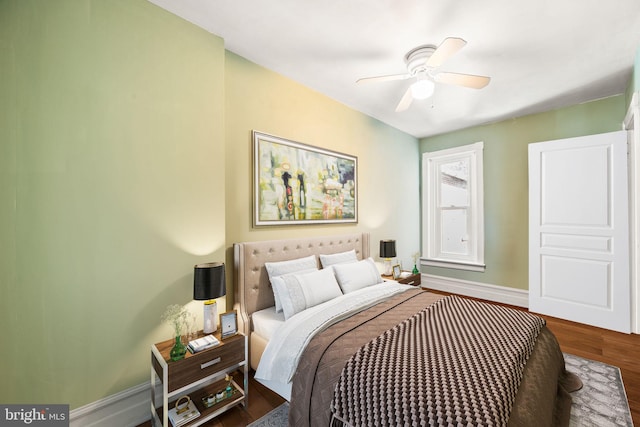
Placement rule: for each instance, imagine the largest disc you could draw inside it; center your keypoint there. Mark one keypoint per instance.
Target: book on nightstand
(203, 343)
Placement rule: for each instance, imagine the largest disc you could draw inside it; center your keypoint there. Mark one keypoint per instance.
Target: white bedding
(280, 358)
(266, 322)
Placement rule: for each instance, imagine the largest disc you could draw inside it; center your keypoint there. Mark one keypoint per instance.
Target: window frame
(431, 211)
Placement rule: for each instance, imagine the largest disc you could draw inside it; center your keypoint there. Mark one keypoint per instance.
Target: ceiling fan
(422, 63)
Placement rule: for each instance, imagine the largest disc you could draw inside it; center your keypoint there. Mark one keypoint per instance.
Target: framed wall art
(295, 183)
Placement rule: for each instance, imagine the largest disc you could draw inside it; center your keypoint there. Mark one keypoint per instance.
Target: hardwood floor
(606, 346)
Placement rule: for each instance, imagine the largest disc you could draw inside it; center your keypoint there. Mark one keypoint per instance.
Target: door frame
(632, 125)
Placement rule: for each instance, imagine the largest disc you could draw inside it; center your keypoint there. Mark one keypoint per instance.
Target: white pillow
(291, 295)
(301, 291)
(291, 266)
(275, 269)
(279, 287)
(339, 258)
(319, 286)
(357, 275)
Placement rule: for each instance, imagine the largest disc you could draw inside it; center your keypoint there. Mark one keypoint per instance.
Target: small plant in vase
(415, 256)
(176, 315)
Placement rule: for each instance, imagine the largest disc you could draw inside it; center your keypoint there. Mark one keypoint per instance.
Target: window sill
(458, 265)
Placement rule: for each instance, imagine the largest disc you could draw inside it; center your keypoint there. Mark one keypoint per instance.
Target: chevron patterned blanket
(457, 362)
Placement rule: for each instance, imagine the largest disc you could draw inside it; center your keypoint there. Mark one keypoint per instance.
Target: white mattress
(266, 322)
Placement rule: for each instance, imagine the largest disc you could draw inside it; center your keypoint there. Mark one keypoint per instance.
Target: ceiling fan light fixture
(422, 64)
(422, 89)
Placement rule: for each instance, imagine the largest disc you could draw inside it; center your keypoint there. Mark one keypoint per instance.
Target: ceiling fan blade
(384, 78)
(405, 102)
(466, 80)
(447, 49)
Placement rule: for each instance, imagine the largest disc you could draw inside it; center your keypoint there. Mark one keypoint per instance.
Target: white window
(452, 208)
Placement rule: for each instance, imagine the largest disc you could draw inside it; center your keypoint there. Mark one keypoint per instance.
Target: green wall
(388, 160)
(111, 189)
(506, 180)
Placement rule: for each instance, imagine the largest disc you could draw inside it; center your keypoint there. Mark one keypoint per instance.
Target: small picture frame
(396, 272)
(228, 324)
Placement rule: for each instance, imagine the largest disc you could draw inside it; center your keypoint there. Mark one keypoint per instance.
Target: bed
(390, 354)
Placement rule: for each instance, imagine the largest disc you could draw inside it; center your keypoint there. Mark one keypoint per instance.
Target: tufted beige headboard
(252, 288)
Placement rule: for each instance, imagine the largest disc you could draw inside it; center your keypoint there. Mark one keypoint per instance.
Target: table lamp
(208, 284)
(387, 251)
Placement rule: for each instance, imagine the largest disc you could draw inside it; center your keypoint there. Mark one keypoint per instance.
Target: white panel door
(579, 230)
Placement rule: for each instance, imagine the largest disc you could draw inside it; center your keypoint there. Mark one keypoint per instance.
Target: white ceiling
(540, 54)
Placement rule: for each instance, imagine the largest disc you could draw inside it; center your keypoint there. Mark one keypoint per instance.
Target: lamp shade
(387, 248)
(209, 281)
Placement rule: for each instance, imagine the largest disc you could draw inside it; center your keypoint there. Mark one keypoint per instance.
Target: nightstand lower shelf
(208, 413)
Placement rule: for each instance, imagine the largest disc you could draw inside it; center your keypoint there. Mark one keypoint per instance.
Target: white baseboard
(128, 408)
(501, 294)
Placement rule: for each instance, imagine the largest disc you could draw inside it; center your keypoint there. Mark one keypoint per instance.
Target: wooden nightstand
(197, 375)
(413, 279)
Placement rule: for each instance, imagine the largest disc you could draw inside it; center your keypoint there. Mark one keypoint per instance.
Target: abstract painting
(295, 183)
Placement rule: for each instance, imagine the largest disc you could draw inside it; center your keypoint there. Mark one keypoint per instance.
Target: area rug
(276, 418)
(601, 402)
